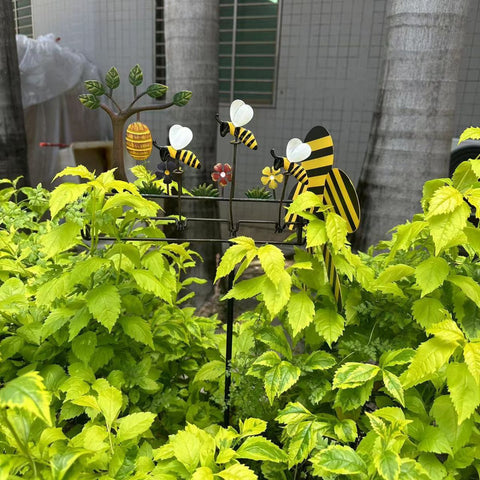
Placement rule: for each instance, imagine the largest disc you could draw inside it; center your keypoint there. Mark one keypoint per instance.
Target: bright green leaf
(464, 390)
(353, 374)
(431, 273)
(110, 403)
(104, 304)
(329, 324)
(300, 310)
(273, 262)
(445, 200)
(60, 238)
(237, 472)
(64, 194)
(84, 345)
(280, 378)
(337, 230)
(133, 425)
(393, 386)
(138, 329)
(259, 448)
(339, 460)
(468, 286)
(471, 354)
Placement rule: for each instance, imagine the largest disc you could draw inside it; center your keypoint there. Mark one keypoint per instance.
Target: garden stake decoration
(240, 115)
(138, 141)
(179, 137)
(297, 151)
(119, 116)
(335, 189)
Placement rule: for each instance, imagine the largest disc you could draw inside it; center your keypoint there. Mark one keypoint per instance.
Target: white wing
(179, 136)
(297, 150)
(240, 113)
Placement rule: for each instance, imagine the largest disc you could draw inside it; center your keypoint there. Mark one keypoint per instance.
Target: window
(248, 50)
(22, 11)
(160, 65)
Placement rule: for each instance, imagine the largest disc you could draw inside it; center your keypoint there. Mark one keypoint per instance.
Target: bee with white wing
(179, 137)
(240, 115)
(297, 151)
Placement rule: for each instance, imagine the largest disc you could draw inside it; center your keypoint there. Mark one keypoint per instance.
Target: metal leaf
(94, 87)
(90, 101)
(112, 78)
(156, 90)
(135, 77)
(180, 99)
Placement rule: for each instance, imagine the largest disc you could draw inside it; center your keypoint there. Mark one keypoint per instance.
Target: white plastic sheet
(52, 77)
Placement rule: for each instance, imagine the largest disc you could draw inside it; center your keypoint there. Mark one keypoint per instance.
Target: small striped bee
(240, 115)
(297, 151)
(179, 138)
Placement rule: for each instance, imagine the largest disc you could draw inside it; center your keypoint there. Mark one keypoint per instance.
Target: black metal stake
(279, 225)
(228, 352)
(232, 185)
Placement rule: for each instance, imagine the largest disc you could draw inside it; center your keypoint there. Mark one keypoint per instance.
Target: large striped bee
(240, 115)
(179, 137)
(296, 152)
(335, 189)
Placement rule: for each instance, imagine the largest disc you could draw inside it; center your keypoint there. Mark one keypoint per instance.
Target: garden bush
(106, 372)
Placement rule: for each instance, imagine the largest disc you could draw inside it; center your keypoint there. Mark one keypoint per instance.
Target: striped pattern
(332, 276)
(185, 156)
(244, 135)
(296, 170)
(317, 166)
(340, 194)
(138, 141)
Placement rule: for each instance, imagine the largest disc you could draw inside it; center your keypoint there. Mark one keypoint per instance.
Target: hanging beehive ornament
(138, 141)
(240, 115)
(335, 189)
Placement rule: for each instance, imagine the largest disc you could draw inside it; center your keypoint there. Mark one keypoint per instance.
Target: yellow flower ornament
(271, 177)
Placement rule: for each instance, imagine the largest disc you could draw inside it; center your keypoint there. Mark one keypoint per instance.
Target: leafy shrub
(104, 373)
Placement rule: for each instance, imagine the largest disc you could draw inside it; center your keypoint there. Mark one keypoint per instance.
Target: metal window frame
(17, 15)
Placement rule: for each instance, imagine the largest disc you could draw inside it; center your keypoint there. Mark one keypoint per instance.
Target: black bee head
(277, 161)
(224, 127)
(164, 155)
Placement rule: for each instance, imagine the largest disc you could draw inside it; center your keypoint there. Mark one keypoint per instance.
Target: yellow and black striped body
(244, 135)
(340, 194)
(332, 275)
(185, 156)
(317, 166)
(296, 170)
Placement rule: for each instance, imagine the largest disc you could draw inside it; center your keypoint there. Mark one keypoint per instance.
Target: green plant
(205, 190)
(258, 192)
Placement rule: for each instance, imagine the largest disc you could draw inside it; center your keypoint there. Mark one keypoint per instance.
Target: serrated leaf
(430, 357)
(353, 398)
(346, 430)
(138, 329)
(318, 361)
(300, 310)
(316, 233)
(302, 442)
(468, 286)
(428, 311)
(396, 357)
(293, 413)
(464, 390)
(80, 171)
(237, 472)
(431, 273)
(27, 392)
(339, 460)
(148, 282)
(64, 194)
(232, 256)
(90, 101)
(112, 78)
(276, 296)
(280, 378)
(61, 463)
(470, 133)
(445, 200)
(272, 261)
(337, 230)
(394, 387)
(471, 354)
(252, 426)
(204, 473)
(211, 371)
(103, 302)
(134, 425)
(394, 273)
(135, 76)
(156, 90)
(387, 464)
(94, 87)
(84, 345)
(434, 440)
(110, 403)
(448, 331)
(305, 201)
(144, 207)
(276, 339)
(329, 324)
(353, 374)
(180, 99)
(60, 238)
(464, 177)
(261, 449)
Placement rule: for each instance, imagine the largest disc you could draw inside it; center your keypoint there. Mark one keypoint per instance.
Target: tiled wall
(329, 64)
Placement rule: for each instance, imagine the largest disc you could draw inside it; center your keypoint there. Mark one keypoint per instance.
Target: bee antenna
(155, 144)
(272, 153)
(217, 118)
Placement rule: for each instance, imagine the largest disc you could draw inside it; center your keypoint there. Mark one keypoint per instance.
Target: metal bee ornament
(240, 115)
(297, 151)
(179, 137)
(335, 189)
(138, 141)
